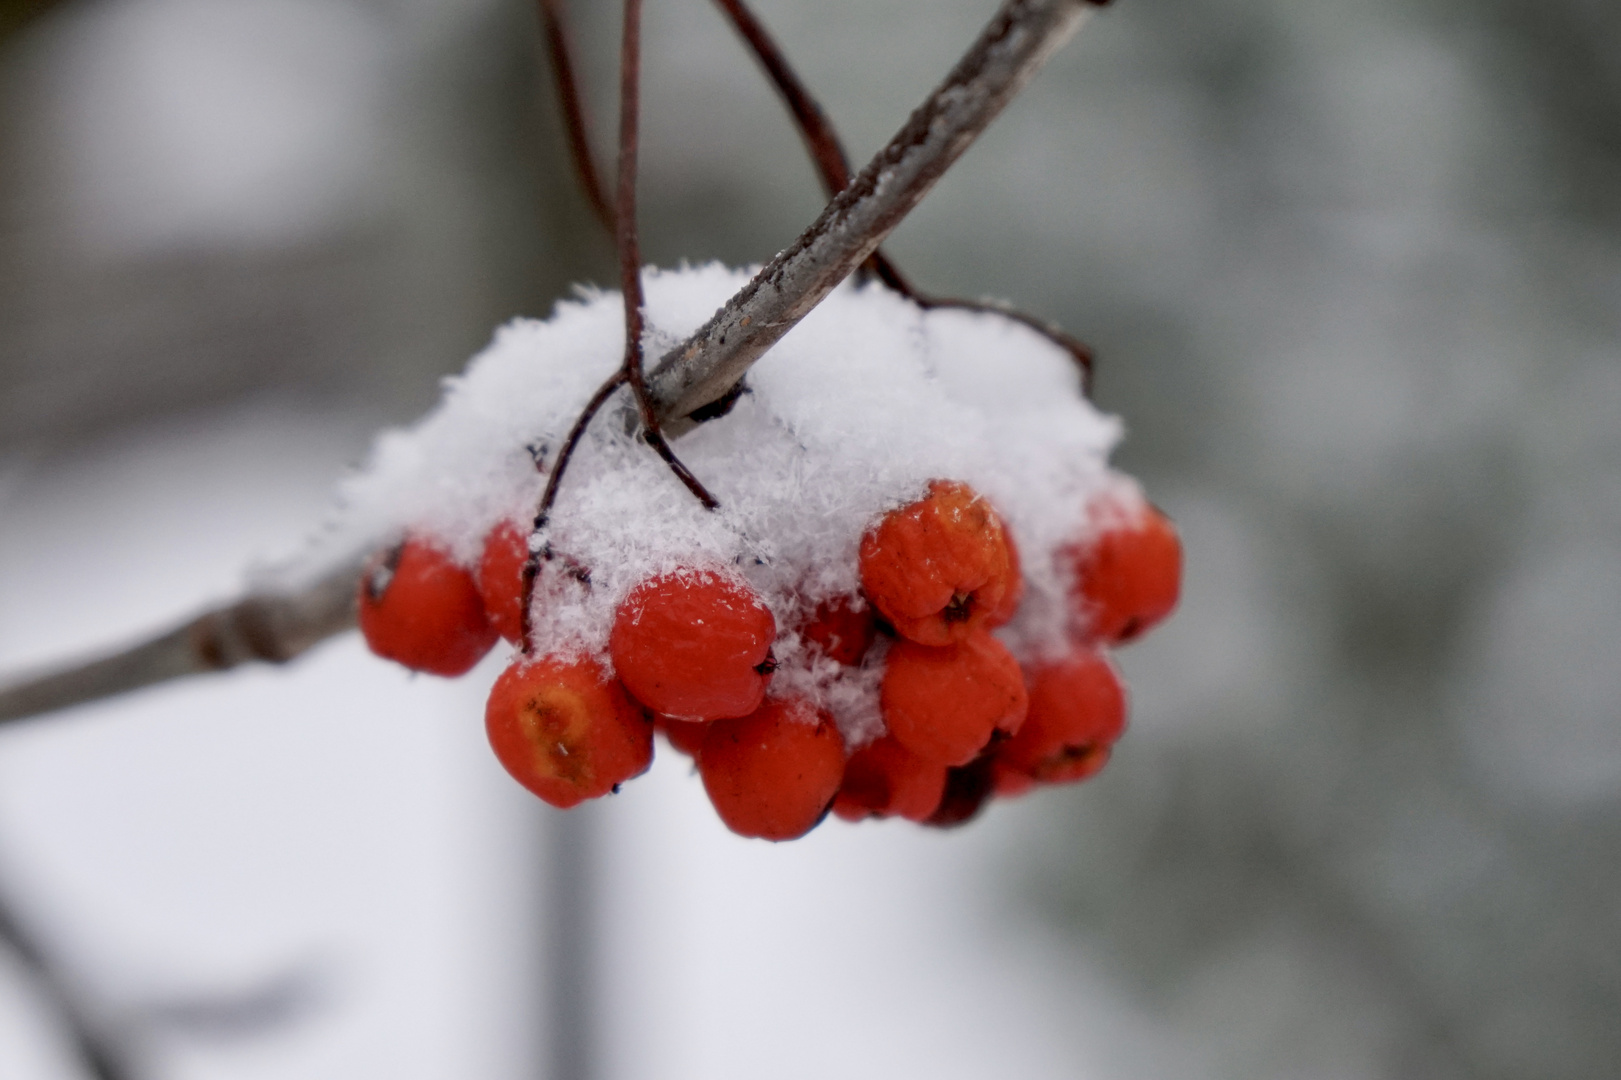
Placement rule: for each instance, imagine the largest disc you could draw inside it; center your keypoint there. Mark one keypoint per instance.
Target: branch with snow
(704, 369)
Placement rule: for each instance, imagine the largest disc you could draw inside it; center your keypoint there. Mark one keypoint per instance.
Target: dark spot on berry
(768, 665)
(959, 609)
(968, 788)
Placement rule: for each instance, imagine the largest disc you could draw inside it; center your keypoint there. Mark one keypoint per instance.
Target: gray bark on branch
(273, 627)
(707, 365)
(276, 627)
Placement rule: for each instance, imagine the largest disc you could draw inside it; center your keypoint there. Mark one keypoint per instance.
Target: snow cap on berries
(849, 416)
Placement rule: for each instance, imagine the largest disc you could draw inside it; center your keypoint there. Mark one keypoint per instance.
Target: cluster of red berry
(691, 655)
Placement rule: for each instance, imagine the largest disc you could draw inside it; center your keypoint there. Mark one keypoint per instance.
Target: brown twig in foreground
(702, 370)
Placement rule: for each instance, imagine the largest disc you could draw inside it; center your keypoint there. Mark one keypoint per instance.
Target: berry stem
(576, 126)
(630, 251)
(630, 282)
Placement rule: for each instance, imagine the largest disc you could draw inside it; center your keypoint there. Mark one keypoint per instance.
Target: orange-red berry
(1128, 577)
(937, 568)
(1009, 605)
(418, 607)
(1077, 711)
(773, 774)
(686, 736)
(944, 704)
(500, 578)
(968, 788)
(840, 631)
(884, 779)
(566, 731)
(694, 644)
(1008, 782)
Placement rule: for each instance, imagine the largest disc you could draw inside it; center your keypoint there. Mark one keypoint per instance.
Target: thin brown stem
(626, 237)
(630, 251)
(1079, 351)
(531, 566)
(629, 374)
(576, 128)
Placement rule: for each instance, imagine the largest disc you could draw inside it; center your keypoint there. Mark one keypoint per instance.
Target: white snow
(849, 416)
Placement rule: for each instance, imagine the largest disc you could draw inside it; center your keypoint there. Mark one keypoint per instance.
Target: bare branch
(272, 627)
(1010, 50)
(276, 627)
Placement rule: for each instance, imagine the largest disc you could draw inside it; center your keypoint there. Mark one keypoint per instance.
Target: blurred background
(1353, 272)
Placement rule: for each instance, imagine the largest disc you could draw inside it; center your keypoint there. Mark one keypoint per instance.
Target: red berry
(968, 788)
(773, 774)
(686, 736)
(1008, 782)
(937, 568)
(565, 731)
(500, 578)
(884, 779)
(840, 631)
(1077, 711)
(1009, 605)
(418, 607)
(1127, 579)
(944, 704)
(694, 644)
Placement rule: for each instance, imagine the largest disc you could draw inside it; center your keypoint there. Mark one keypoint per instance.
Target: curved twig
(554, 28)
(702, 370)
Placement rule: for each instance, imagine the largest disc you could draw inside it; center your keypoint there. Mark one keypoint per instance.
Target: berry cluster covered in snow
(919, 552)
